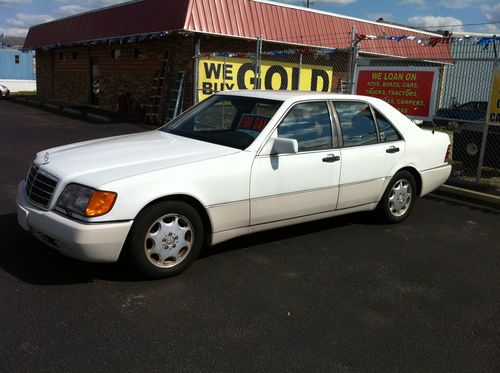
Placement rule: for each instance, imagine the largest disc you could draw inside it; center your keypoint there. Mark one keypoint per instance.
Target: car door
(285, 186)
(371, 147)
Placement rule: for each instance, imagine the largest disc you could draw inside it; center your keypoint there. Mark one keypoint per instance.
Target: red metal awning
(233, 18)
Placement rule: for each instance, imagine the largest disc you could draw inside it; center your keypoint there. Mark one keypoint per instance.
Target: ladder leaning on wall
(155, 108)
(176, 97)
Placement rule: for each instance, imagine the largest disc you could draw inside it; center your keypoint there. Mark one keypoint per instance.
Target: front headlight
(85, 201)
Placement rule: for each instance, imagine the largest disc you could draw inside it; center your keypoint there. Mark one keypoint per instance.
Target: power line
(463, 25)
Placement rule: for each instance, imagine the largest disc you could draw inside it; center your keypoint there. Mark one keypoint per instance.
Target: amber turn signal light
(100, 203)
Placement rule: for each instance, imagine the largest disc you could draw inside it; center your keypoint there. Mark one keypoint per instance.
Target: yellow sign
(239, 73)
(493, 116)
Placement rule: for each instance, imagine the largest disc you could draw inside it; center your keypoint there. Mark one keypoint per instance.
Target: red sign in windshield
(253, 122)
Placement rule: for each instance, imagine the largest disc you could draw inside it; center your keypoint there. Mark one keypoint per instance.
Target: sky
(16, 16)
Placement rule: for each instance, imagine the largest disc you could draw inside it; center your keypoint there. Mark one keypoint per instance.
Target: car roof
(296, 95)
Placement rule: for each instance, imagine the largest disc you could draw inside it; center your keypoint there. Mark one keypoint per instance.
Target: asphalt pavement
(339, 295)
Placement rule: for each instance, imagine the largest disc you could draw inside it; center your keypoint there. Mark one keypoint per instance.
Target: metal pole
(481, 154)
(485, 128)
(257, 62)
(224, 73)
(300, 71)
(354, 64)
(195, 68)
(350, 78)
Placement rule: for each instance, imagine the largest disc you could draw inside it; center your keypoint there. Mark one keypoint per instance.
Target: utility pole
(307, 3)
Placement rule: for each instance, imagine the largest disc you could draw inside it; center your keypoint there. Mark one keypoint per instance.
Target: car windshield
(232, 121)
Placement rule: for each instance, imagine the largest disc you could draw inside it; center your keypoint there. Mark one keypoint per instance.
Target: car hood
(100, 161)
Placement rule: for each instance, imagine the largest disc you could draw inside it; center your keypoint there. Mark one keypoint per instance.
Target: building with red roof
(139, 53)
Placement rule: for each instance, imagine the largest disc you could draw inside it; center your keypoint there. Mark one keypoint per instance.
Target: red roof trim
(247, 19)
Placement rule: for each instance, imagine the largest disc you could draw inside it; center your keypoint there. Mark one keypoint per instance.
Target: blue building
(17, 70)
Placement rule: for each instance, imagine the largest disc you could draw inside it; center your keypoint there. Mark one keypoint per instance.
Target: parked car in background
(236, 163)
(4, 91)
(467, 142)
(473, 111)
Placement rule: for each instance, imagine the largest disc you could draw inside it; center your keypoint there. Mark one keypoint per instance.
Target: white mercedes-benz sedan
(238, 162)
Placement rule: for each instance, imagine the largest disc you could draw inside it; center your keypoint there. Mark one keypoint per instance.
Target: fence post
(353, 58)
(224, 72)
(300, 71)
(258, 53)
(195, 68)
(486, 126)
(481, 154)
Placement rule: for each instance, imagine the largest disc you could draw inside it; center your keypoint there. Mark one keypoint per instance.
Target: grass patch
(24, 93)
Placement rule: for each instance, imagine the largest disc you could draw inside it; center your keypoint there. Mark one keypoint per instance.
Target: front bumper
(92, 242)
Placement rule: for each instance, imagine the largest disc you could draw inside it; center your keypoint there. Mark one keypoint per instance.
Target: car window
(357, 123)
(467, 106)
(226, 120)
(482, 106)
(386, 129)
(308, 123)
(216, 117)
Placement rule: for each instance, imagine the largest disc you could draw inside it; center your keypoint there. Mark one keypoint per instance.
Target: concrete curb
(471, 196)
(64, 109)
(98, 118)
(52, 106)
(33, 102)
(72, 111)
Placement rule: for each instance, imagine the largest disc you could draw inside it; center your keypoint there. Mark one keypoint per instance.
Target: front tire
(399, 198)
(165, 239)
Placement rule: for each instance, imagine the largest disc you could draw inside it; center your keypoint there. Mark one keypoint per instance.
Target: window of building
(139, 53)
(309, 124)
(61, 56)
(16, 58)
(75, 55)
(115, 54)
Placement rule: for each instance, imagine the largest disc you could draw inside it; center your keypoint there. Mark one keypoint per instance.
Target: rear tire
(399, 198)
(165, 239)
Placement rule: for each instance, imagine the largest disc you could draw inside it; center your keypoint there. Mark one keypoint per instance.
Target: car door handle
(392, 149)
(331, 158)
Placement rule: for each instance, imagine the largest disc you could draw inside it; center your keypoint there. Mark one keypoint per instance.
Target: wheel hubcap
(400, 197)
(169, 240)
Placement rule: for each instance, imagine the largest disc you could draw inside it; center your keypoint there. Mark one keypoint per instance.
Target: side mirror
(284, 146)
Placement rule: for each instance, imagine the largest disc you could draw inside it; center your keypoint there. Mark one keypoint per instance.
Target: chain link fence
(283, 69)
(449, 95)
(458, 107)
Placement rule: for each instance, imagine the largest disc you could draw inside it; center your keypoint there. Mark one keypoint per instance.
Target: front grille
(40, 187)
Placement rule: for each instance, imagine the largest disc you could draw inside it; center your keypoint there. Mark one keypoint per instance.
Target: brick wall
(64, 73)
(71, 74)
(44, 75)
